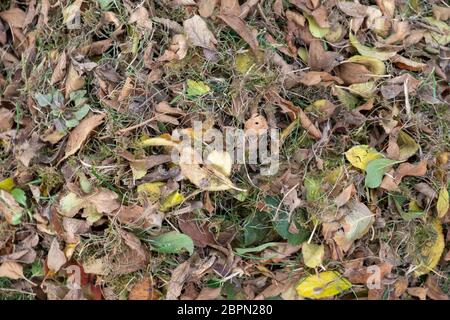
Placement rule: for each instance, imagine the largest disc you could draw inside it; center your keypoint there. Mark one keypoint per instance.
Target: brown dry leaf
(73, 228)
(133, 256)
(345, 195)
(352, 73)
(418, 292)
(319, 59)
(387, 7)
(145, 218)
(11, 270)
(412, 170)
(352, 9)
(144, 290)
(401, 30)
(197, 230)
(425, 189)
(80, 134)
(320, 15)
(295, 112)
(198, 33)
(179, 276)
(206, 7)
(230, 7)
(434, 291)
(60, 69)
(408, 64)
(354, 225)
(6, 119)
(257, 124)
(209, 293)
(362, 275)
(29, 149)
(74, 81)
(15, 17)
(441, 13)
(313, 78)
(296, 18)
(396, 86)
(56, 257)
(238, 25)
(141, 17)
(104, 201)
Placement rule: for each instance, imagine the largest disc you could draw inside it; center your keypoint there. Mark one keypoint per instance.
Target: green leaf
(82, 112)
(20, 196)
(282, 224)
(37, 269)
(375, 170)
(43, 100)
(105, 4)
(173, 242)
(196, 88)
(72, 123)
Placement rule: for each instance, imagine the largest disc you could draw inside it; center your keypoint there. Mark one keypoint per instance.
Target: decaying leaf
(56, 257)
(198, 33)
(360, 156)
(370, 52)
(313, 254)
(80, 134)
(323, 285)
(431, 248)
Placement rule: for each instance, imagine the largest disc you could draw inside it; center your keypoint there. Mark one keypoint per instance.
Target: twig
(122, 131)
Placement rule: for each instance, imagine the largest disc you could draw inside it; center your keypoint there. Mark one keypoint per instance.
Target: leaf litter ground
(93, 206)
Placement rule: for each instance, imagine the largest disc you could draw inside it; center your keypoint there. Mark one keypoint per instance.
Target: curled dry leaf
(141, 17)
(15, 17)
(319, 59)
(206, 7)
(80, 134)
(345, 195)
(144, 290)
(202, 177)
(11, 270)
(60, 69)
(198, 33)
(238, 25)
(56, 257)
(355, 224)
(179, 276)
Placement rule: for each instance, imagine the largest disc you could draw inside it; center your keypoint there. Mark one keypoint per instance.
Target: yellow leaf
(365, 89)
(221, 161)
(313, 254)
(442, 203)
(407, 146)
(370, 52)
(196, 88)
(172, 200)
(303, 54)
(360, 156)
(152, 190)
(244, 61)
(314, 28)
(325, 284)
(374, 65)
(431, 251)
(164, 140)
(7, 184)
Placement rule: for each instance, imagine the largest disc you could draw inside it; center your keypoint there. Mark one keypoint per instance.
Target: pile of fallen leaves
(92, 206)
